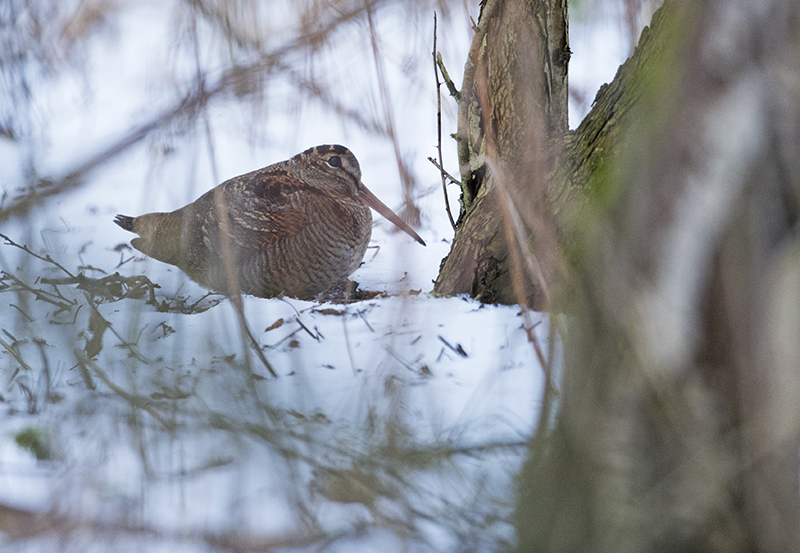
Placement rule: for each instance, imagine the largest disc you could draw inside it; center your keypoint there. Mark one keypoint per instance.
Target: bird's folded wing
(265, 207)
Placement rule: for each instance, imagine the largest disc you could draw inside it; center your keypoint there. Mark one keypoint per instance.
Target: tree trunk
(679, 422)
(513, 101)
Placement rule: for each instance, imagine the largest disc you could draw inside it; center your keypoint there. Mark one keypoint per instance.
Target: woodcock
(298, 227)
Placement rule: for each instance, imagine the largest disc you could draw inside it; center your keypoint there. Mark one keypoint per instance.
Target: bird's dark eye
(335, 161)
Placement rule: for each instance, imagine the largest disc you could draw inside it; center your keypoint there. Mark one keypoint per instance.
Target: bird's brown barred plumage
(298, 227)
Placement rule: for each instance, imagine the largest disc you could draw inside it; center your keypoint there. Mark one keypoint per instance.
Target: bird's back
(264, 233)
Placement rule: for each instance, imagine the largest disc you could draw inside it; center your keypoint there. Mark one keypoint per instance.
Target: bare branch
(439, 126)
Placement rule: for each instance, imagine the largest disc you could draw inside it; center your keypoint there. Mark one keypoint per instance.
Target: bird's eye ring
(335, 161)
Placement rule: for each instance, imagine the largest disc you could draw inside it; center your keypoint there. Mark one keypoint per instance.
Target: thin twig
(245, 331)
(439, 128)
(547, 398)
(304, 327)
(201, 87)
(227, 80)
(349, 347)
(193, 307)
(48, 297)
(136, 401)
(457, 348)
(15, 354)
(407, 364)
(386, 100)
(46, 258)
(453, 180)
(21, 311)
(132, 347)
(517, 246)
(360, 313)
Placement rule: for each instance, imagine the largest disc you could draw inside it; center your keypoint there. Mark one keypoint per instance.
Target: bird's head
(343, 176)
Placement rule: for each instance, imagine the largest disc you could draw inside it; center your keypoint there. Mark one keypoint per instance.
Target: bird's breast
(310, 248)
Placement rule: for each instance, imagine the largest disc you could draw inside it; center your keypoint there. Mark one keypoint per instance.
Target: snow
(396, 423)
(424, 374)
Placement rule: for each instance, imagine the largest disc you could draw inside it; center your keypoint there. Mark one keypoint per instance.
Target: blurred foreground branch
(231, 80)
(679, 428)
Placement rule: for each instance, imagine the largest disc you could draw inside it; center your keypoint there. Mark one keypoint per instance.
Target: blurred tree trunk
(679, 421)
(513, 100)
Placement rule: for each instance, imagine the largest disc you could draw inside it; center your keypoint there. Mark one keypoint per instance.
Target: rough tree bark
(513, 101)
(679, 423)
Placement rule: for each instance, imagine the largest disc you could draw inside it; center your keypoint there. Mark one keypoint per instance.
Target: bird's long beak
(372, 201)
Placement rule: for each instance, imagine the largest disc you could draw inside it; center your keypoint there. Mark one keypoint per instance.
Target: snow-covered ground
(396, 423)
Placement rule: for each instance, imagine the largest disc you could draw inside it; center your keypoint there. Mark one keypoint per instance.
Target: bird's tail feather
(125, 222)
